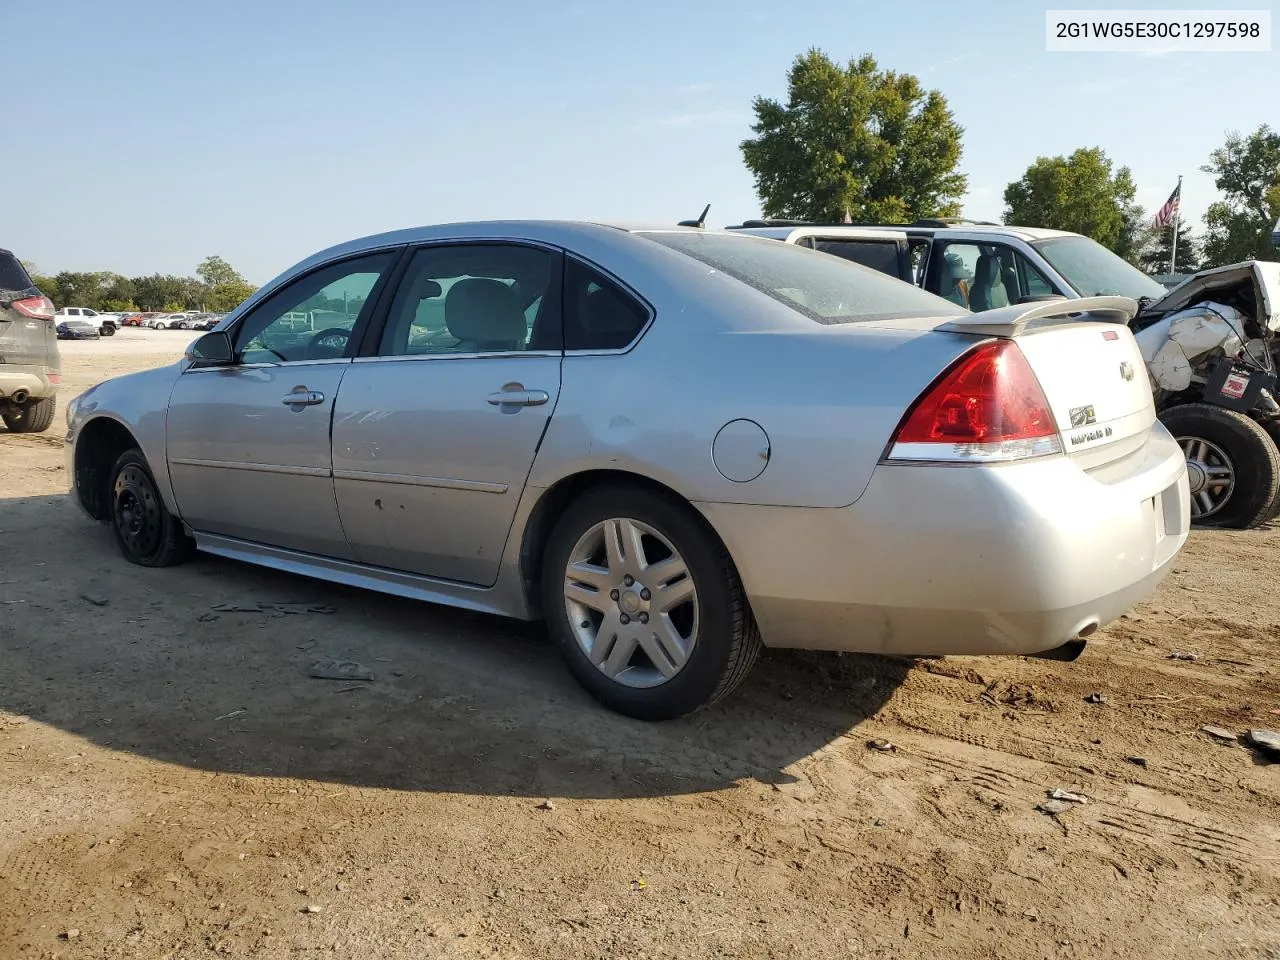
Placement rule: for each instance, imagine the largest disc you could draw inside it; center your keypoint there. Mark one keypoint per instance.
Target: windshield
(1094, 271)
(824, 288)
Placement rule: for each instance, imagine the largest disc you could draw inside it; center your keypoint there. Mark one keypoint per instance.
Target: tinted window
(313, 317)
(870, 253)
(474, 298)
(12, 274)
(599, 315)
(819, 287)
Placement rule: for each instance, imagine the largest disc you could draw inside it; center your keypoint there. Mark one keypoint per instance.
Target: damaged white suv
(1210, 344)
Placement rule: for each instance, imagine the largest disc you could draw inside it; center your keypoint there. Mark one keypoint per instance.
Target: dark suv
(30, 367)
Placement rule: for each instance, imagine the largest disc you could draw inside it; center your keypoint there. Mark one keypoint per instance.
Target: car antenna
(700, 222)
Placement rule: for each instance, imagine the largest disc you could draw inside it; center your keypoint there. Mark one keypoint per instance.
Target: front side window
(985, 276)
(474, 298)
(312, 318)
(821, 288)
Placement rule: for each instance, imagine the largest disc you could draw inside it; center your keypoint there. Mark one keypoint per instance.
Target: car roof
(783, 230)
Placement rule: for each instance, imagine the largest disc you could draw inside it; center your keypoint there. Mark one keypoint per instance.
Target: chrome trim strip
(290, 364)
(444, 483)
(253, 467)
(459, 356)
(352, 574)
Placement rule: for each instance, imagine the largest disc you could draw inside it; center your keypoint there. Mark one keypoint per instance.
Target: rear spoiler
(1009, 321)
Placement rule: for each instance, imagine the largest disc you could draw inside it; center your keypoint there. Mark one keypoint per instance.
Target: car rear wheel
(646, 605)
(1233, 466)
(108, 330)
(148, 534)
(34, 416)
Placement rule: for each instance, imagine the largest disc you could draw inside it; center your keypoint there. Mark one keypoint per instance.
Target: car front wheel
(645, 604)
(1233, 466)
(147, 533)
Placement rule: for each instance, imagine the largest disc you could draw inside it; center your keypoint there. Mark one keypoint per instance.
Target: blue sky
(155, 133)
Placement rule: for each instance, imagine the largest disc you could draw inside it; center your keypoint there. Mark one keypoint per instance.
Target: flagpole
(1173, 246)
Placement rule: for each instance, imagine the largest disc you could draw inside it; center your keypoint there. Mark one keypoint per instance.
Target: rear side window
(12, 274)
(869, 253)
(821, 288)
(599, 315)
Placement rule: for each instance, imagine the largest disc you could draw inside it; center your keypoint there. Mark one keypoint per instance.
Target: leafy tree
(1247, 172)
(214, 271)
(174, 306)
(856, 142)
(227, 296)
(156, 292)
(119, 306)
(49, 287)
(1080, 193)
(1155, 258)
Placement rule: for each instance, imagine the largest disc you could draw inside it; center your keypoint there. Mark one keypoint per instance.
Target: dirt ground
(172, 783)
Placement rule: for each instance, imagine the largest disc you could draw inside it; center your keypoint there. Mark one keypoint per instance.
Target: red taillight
(986, 406)
(37, 308)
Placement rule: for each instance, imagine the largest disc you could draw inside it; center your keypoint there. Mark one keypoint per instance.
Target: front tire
(108, 330)
(1233, 466)
(34, 416)
(645, 604)
(146, 532)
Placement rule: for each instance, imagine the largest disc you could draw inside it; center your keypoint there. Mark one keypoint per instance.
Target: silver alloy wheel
(1210, 475)
(632, 603)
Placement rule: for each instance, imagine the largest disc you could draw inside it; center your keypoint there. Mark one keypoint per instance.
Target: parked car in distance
(30, 365)
(552, 419)
(77, 330)
(104, 323)
(132, 319)
(168, 321)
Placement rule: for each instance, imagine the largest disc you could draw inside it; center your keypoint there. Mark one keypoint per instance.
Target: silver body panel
(407, 479)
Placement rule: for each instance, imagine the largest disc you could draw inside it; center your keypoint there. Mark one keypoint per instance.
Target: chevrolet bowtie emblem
(1126, 370)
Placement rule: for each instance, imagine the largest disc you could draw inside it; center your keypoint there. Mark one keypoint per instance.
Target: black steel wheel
(148, 534)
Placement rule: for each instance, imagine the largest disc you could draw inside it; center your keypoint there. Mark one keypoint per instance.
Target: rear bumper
(933, 560)
(33, 378)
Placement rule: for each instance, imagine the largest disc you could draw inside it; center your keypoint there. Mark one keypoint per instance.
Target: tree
(1247, 172)
(214, 271)
(1155, 258)
(1081, 194)
(156, 292)
(227, 296)
(49, 287)
(855, 142)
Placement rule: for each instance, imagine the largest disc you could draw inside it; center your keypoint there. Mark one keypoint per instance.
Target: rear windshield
(12, 275)
(824, 288)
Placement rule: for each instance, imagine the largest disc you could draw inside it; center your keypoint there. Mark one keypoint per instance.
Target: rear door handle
(303, 398)
(519, 398)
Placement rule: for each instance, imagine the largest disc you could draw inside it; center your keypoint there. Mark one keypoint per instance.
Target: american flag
(1165, 216)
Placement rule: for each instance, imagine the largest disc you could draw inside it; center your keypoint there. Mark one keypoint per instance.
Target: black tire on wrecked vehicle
(34, 416)
(146, 532)
(1209, 435)
(715, 632)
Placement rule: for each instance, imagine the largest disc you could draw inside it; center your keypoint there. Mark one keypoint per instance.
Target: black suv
(30, 366)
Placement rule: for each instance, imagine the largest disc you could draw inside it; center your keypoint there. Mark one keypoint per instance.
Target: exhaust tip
(1069, 651)
(19, 396)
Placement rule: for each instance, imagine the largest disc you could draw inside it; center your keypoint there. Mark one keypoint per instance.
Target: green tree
(227, 296)
(214, 271)
(49, 287)
(1247, 172)
(857, 142)
(1155, 258)
(119, 306)
(156, 291)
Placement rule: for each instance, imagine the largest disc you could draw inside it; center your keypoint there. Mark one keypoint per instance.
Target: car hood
(1210, 285)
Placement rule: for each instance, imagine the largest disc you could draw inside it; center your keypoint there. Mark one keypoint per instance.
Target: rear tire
(146, 532)
(35, 416)
(108, 330)
(713, 624)
(1215, 438)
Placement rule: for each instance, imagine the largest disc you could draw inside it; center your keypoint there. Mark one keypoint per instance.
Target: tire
(1213, 437)
(146, 532)
(722, 643)
(35, 416)
(108, 330)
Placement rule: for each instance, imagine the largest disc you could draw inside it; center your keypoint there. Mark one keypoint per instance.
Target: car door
(248, 444)
(434, 435)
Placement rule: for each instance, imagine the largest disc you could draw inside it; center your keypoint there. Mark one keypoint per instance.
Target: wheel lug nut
(644, 618)
(625, 619)
(628, 580)
(613, 595)
(586, 624)
(644, 594)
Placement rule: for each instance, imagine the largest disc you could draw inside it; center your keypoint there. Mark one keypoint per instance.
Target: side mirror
(212, 350)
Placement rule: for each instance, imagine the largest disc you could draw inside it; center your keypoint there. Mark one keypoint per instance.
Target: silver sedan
(676, 445)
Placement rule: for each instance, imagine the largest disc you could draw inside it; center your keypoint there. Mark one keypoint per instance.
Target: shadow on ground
(460, 703)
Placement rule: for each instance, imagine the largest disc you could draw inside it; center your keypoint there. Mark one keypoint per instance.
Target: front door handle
(519, 398)
(303, 398)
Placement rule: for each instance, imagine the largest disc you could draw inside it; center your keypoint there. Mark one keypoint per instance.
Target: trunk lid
(1089, 366)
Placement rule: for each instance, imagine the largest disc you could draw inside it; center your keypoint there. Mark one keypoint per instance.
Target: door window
(877, 254)
(314, 317)
(984, 276)
(475, 298)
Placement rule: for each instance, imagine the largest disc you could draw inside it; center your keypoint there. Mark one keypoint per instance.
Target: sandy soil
(173, 784)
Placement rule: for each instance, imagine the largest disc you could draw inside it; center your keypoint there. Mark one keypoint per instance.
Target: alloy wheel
(1210, 474)
(632, 602)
